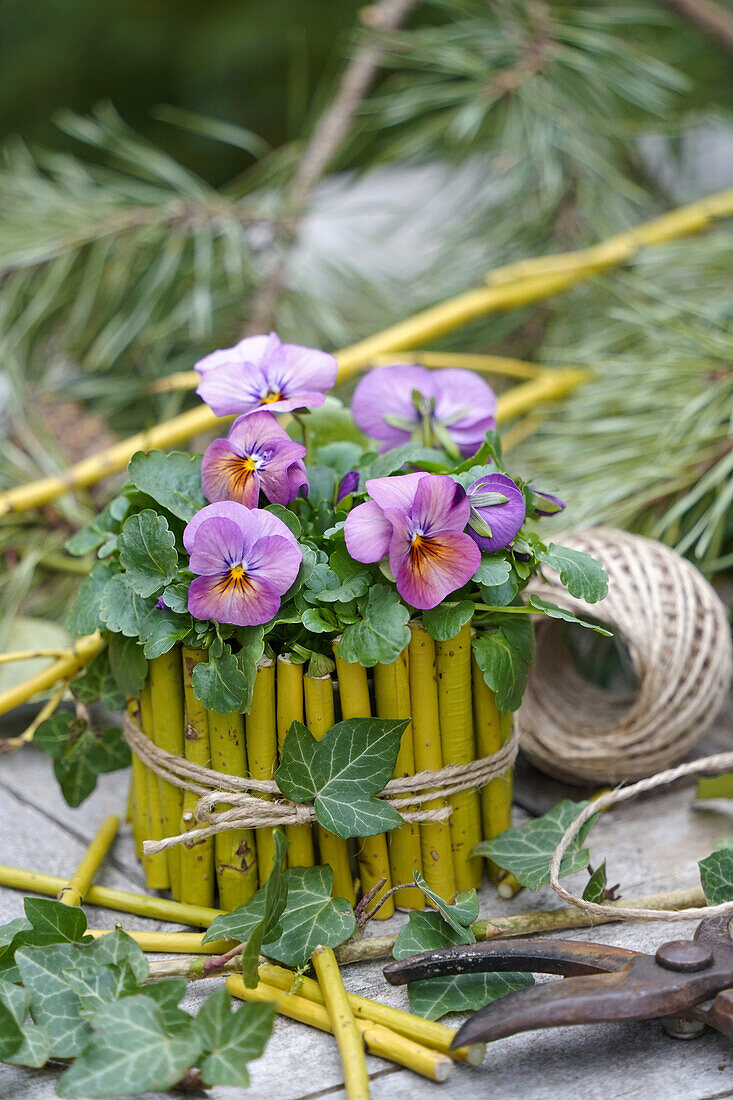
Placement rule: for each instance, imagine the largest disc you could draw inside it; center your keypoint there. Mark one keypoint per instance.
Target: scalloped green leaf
(148, 552)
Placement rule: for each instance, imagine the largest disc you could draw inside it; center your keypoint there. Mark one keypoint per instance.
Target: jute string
(677, 635)
(722, 761)
(252, 811)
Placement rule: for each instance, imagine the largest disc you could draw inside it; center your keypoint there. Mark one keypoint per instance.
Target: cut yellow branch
(453, 660)
(392, 695)
(377, 1039)
(235, 851)
(372, 851)
(347, 1034)
(10, 744)
(290, 708)
(319, 717)
(198, 878)
(156, 865)
(170, 943)
(76, 658)
(484, 364)
(428, 1033)
(261, 742)
(76, 889)
(551, 386)
(165, 677)
(31, 655)
(435, 841)
(491, 733)
(138, 788)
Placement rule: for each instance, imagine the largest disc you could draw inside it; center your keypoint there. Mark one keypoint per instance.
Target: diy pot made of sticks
(453, 721)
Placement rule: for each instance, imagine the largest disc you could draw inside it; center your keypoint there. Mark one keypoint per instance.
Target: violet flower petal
(367, 532)
(276, 560)
(506, 519)
(395, 492)
(229, 474)
(388, 391)
(440, 505)
(427, 568)
(220, 543)
(249, 602)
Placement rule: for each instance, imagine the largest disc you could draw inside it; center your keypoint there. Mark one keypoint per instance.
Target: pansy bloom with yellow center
(257, 454)
(245, 560)
(261, 372)
(419, 520)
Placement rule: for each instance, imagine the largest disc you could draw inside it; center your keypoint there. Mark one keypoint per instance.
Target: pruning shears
(686, 984)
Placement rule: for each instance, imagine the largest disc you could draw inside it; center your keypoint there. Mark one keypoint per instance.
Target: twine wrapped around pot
(252, 811)
(678, 638)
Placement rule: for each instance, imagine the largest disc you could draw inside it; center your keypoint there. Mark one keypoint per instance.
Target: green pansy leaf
(175, 597)
(287, 517)
(148, 553)
(583, 576)
(716, 876)
(85, 616)
(552, 611)
(128, 664)
(220, 684)
(595, 887)
(250, 653)
(504, 657)
(460, 915)
(230, 1039)
(444, 621)
(342, 772)
(501, 595)
(173, 480)
(319, 620)
(312, 917)
(391, 461)
(492, 572)
(123, 611)
(164, 630)
(129, 1053)
(383, 632)
(526, 850)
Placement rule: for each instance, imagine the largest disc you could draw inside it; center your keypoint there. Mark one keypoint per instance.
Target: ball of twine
(677, 635)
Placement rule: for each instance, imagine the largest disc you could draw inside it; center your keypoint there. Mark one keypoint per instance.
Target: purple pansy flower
(453, 408)
(497, 511)
(546, 504)
(263, 373)
(257, 454)
(245, 560)
(419, 520)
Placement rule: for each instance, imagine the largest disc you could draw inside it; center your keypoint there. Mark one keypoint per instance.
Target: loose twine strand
(269, 808)
(722, 761)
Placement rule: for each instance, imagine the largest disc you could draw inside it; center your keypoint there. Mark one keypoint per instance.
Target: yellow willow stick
(377, 1039)
(319, 717)
(79, 655)
(484, 364)
(122, 901)
(508, 886)
(31, 655)
(261, 741)
(435, 842)
(290, 708)
(346, 1033)
(172, 943)
(426, 1032)
(453, 660)
(10, 744)
(496, 795)
(235, 852)
(156, 865)
(508, 289)
(166, 697)
(372, 851)
(198, 879)
(78, 885)
(139, 788)
(392, 695)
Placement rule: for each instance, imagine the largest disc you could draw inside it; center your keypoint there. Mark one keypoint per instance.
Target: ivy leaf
(164, 630)
(47, 922)
(383, 632)
(526, 850)
(220, 684)
(554, 612)
(716, 876)
(128, 664)
(148, 552)
(259, 918)
(231, 1039)
(504, 657)
(96, 986)
(34, 1048)
(312, 917)
(54, 1005)
(123, 611)
(79, 753)
(173, 480)
(97, 683)
(595, 887)
(168, 994)
(583, 576)
(460, 915)
(130, 1053)
(492, 572)
(433, 998)
(85, 616)
(11, 1034)
(444, 621)
(342, 772)
(117, 948)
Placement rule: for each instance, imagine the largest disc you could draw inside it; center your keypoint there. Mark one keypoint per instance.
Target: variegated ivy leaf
(54, 1005)
(312, 917)
(595, 887)
(526, 850)
(460, 914)
(130, 1052)
(230, 1039)
(47, 922)
(342, 772)
(716, 876)
(34, 1048)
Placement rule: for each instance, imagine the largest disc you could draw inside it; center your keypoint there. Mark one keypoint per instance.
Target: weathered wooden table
(650, 846)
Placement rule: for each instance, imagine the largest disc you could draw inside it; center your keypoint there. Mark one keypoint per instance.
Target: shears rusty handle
(687, 983)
